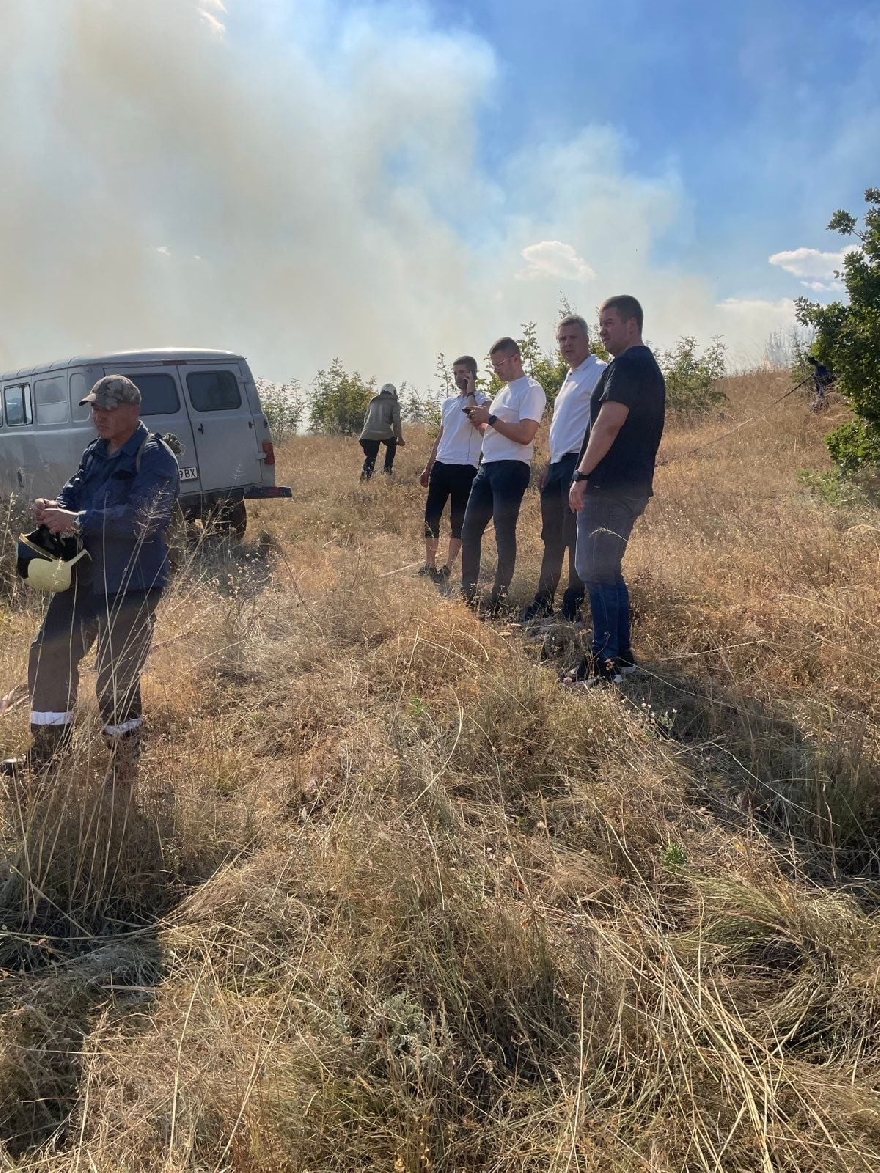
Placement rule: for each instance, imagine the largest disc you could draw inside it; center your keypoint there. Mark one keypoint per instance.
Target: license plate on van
(189, 474)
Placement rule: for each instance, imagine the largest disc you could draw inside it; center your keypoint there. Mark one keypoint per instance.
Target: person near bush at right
(381, 426)
(823, 381)
(613, 483)
(451, 467)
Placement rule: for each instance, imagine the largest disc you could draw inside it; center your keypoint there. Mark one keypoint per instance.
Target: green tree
(443, 375)
(691, 378)
(421, 408)
(339, 401)
(848, 339)
(283, 407)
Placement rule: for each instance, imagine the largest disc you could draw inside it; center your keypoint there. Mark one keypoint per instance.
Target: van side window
(50, 398)
(158, 394)
(213, 390)
(18, 406)
(79, 389)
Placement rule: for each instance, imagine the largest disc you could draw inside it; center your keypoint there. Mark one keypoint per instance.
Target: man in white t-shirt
(571, 417)
(508, 425)
(451, 467)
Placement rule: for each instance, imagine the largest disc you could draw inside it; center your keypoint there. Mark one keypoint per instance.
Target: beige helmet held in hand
(45, 561)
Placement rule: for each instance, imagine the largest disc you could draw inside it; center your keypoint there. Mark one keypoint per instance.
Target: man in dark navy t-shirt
(614, 480)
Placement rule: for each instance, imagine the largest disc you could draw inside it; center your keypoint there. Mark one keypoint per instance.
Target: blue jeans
(496, 495)
(603, 529)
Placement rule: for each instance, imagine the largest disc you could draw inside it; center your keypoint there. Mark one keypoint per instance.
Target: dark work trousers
(559, 534)
(122, 625)
(603, 529)
(371, 451)
(448, 482)
(496, 495)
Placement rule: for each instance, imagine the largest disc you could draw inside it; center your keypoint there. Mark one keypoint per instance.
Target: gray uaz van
(206, 398)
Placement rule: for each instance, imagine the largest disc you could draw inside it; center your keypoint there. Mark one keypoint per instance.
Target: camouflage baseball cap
(112, 391)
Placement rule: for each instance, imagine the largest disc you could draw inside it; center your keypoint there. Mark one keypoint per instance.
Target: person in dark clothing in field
(119, 503)
(823, 381)
(613, 483)
(381, 426)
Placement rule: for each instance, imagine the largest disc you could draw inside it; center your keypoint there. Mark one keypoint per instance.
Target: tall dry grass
(388, 899)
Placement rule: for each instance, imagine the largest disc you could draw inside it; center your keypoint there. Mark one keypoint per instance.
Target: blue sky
(301, 179)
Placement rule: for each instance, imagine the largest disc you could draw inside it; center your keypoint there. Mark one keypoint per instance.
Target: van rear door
(163, 410)
(223, 426)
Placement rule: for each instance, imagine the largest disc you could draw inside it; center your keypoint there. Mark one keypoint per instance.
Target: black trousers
(122, 625)
(371, 451)
(559, 535)
(448, 482)
(496, 496)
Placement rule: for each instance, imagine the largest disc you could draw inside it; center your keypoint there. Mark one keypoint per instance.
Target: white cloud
(335, 189)
(823, 286)
(811, 263)
(210, 18)
(750, 322)
(741, 306)
(553, 259)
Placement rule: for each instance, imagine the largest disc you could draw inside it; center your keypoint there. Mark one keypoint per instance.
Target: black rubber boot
(125, 755)
(49, 743)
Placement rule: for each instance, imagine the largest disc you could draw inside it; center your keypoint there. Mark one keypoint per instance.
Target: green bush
(691, 378)
(282, 406)
(339, 401)
(848, 339)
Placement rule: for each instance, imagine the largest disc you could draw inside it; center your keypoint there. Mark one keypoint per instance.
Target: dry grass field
(389, 899)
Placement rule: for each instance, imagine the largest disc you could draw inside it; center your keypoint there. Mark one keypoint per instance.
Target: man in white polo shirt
(451, 467)
(508, 425)
(571, 416)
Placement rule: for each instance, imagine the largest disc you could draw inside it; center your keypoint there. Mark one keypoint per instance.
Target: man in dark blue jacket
(120, 502)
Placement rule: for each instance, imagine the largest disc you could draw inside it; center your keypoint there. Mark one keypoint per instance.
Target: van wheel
(233, 519)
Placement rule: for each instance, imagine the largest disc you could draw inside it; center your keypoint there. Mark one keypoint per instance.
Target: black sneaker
(539, 609)
(427, 572)
(442, 574)
(626, 663)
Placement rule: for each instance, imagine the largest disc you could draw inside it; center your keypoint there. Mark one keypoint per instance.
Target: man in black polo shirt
(614, 481)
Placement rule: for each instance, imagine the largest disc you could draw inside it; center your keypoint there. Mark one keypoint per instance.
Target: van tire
(233, 519)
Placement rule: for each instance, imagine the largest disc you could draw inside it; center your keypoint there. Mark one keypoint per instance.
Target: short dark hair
(575, 320)
(466, 361)
(627, 307)
(505, 344)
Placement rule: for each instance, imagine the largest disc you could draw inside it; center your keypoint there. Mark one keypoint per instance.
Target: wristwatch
(579, 476)
(492, 421)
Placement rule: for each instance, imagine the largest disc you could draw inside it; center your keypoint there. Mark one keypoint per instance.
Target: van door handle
(202, 428)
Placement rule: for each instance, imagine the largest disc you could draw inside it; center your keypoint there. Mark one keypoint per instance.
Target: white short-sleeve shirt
(461, 441)
(523, 399)
(571, 411)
